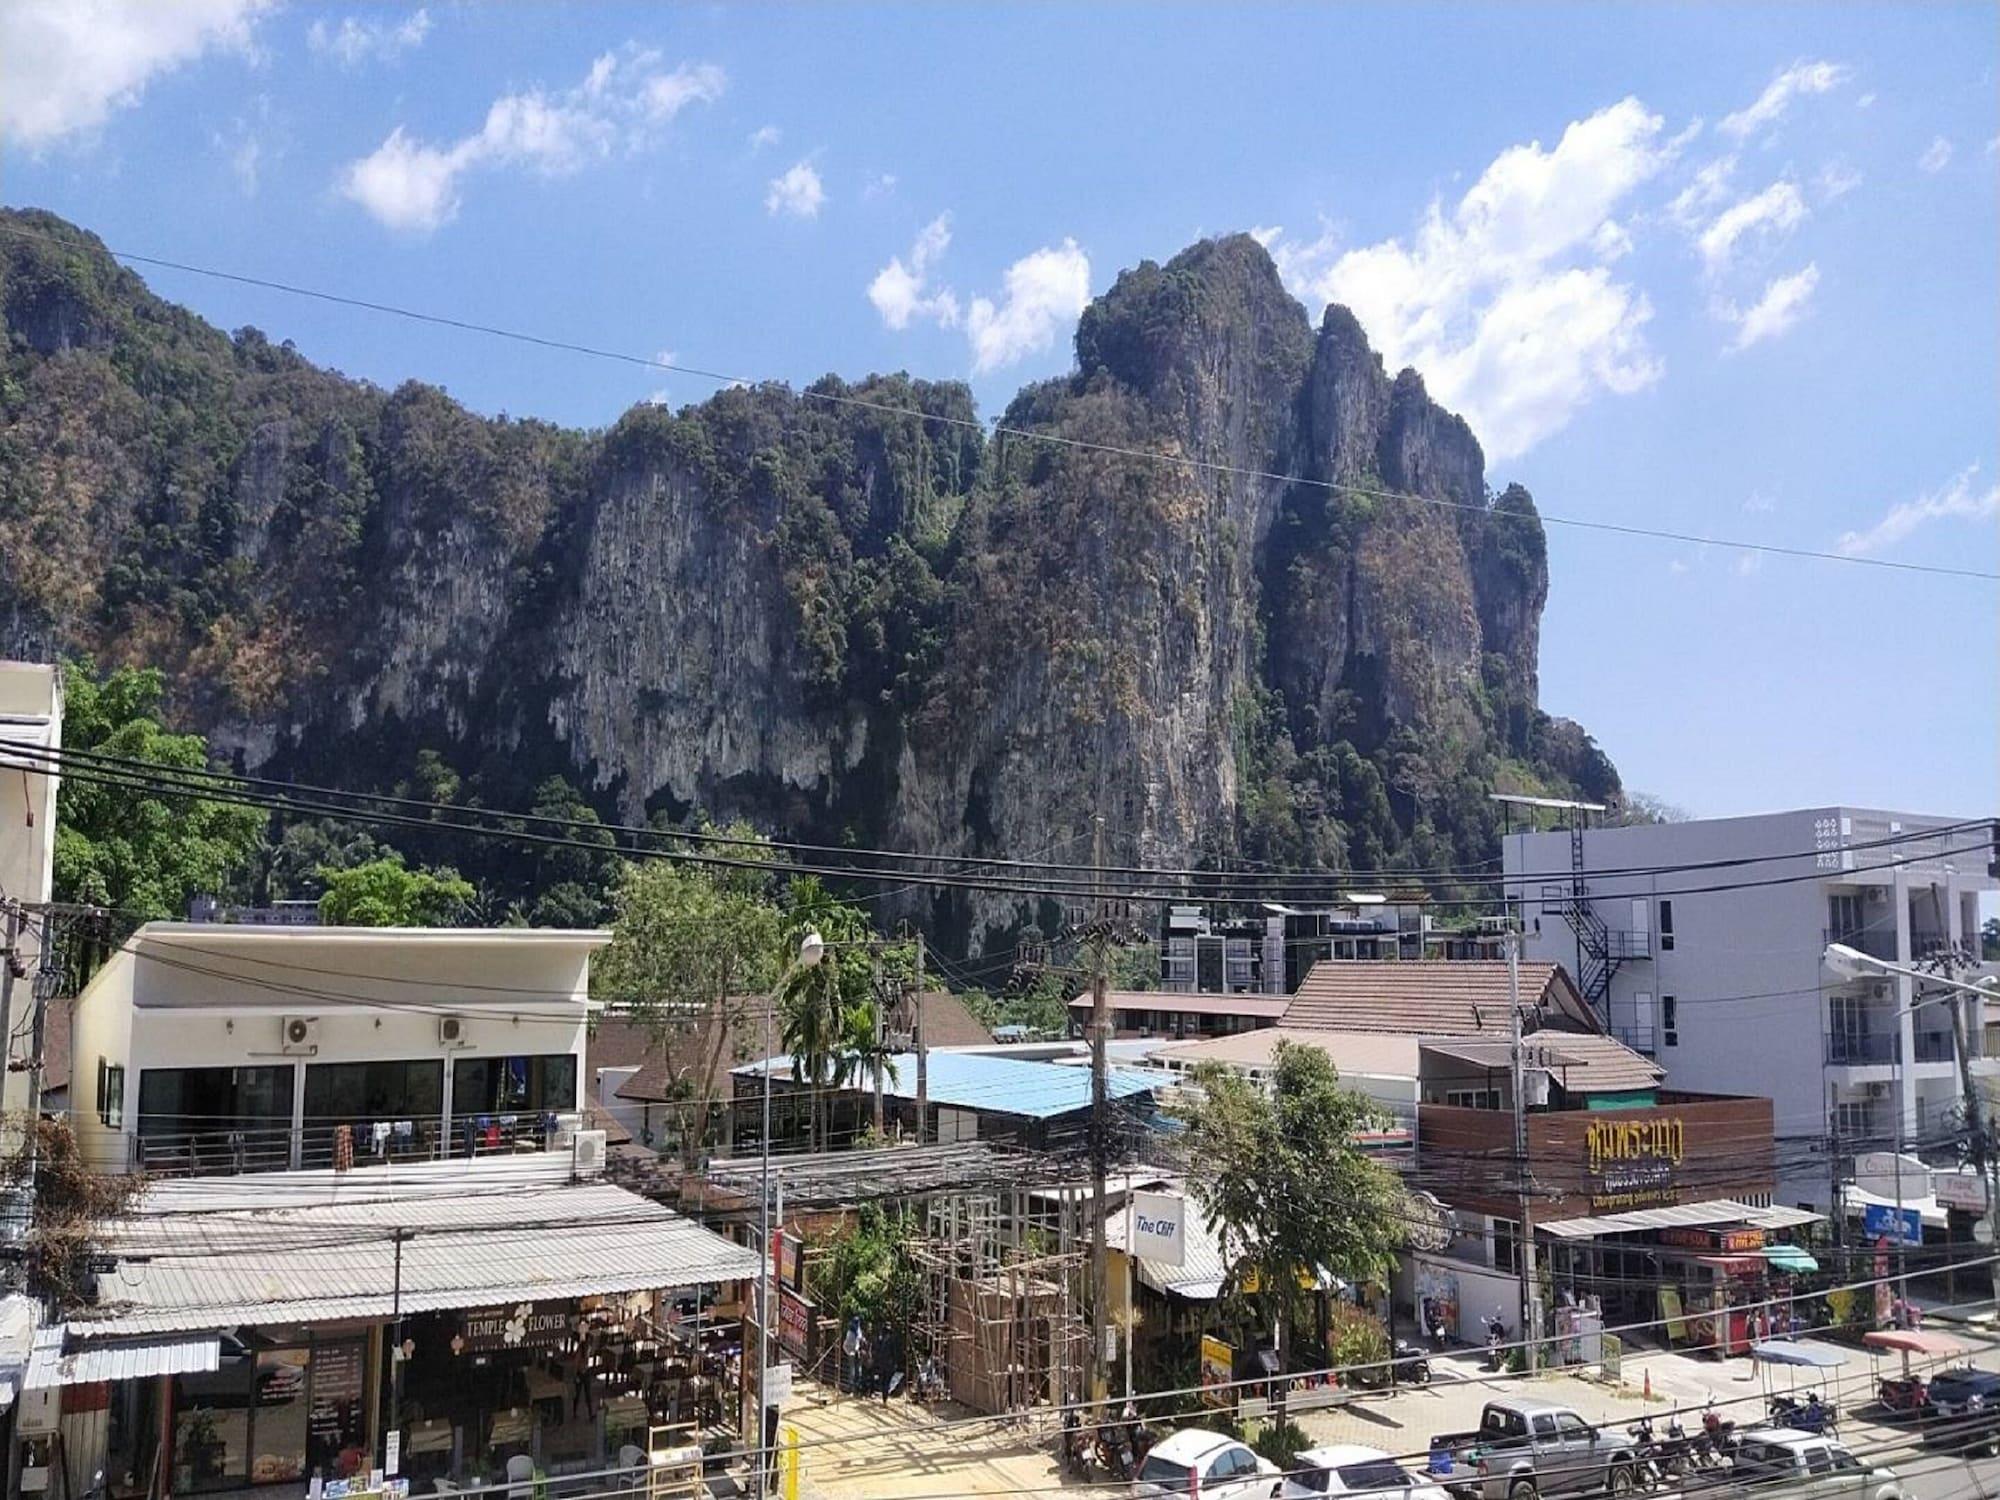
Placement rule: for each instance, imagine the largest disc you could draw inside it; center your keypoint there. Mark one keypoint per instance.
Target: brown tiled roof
(597, 1117)
(949, 1022)
(1581, 1062)
(1465, 997)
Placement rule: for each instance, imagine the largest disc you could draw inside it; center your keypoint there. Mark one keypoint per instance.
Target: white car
(1196, 1464)
(1810, 1465)
(1350, 1469)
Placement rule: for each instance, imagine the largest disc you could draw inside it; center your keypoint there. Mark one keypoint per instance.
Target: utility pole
(18, 1204)
(881, 993)
(1530, 1312)
(923, 1055)
(1100, 1025)
(1975, 1118)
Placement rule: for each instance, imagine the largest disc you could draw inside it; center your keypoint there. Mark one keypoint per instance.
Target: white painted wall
(191, 995)
(31, 716)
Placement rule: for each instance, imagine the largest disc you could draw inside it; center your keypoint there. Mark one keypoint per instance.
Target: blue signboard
(1879, 1221)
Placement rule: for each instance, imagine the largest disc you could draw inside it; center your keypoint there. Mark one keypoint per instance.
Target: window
(1572, 1427)
(1472, 1098)
(1666, 926)
(111, 1094)
(1670, 1019)
(347, 1092)
(490, 1085)
(1818, 1461)
(1506, 1245)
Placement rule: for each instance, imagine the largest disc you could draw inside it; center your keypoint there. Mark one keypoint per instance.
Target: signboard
(1159, 1227)
(1880, 1221)
(1961, 1190)
(1613, 1349)
(392, 1459)
(778, 1383)
(1727, 1241)
(1632, 1162)
(1218, 1370)
(787, 1257)
(794, 1323)
(524, 1325)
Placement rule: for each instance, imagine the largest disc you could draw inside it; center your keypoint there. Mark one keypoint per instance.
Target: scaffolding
(1002, 1310)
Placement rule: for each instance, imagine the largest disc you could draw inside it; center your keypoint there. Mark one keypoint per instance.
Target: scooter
(1904, 1396)
(1496, 1339)
(1646, 1466)
(1811, 1415)
(1717, 1444)
(1413, 1366)
(1677, 1451)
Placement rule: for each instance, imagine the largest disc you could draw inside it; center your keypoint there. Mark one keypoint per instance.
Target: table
(432, 1436)
(544, 1388)
(511, 1428)
(624, 1413)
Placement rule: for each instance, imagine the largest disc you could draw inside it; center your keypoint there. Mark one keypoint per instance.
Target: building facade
(1700, 944)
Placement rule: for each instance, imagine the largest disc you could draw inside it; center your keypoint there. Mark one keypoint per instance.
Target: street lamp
(1846, 962)
(812, 948)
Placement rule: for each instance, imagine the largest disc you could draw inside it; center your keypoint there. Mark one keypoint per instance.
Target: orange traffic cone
(1648, 1393)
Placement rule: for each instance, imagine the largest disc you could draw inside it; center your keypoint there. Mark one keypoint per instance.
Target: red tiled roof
(1464, 997)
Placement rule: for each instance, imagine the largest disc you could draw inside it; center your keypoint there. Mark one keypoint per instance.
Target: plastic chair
(520, 1474)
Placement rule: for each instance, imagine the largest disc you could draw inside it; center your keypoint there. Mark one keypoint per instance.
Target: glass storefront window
(212, 1427)
(272, 1415)
(280, 1435)
(348, 1092)
(521, 1084)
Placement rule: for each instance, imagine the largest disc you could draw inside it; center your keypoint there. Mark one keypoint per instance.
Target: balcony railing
(1628, 943)
(1875, 941)
(181, 1146)
(1853, 1049)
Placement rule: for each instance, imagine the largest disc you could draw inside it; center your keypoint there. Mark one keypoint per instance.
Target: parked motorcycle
(1716, 1445)
(1904, 1395)
(1810, 1415)
(1496, 1341)
(1646, 1465)
(1413, 1366)
(1676, 1450)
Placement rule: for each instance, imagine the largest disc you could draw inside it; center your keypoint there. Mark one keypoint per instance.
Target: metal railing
(185, 1146)
(1860, 1048)
(1874, 940)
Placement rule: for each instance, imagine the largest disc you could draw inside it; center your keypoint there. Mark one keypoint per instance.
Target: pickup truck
(1808, 1466)
(1523, 1449)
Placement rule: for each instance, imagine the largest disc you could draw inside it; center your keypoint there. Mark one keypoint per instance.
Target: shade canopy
(1790, 1258)
(1914, 1341)
(1797, 1354)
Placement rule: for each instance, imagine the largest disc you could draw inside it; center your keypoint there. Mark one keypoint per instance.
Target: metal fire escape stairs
(1597, 958)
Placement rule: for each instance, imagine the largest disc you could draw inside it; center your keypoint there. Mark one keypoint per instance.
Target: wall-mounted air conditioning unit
(299, 1034)
(451, 1031)
(589, 1159)
(563, 1137)
(1878, 1091)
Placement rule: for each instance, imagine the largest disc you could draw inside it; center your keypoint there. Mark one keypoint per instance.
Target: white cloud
(1044, 293)
(765, 135)
(1505, 303)
(900, 290)
(1936, 157)
(1708, 187)
(409, 184)
(1782, 305)
(1801, 78)
(1959, 500)
(1760, 503)
(1866, 101)
(65, 65)
(1749, 563)
(355, 41)
(1769, 215)
(880, 186)
(1836, 180)
(249, 144)
(797, 191)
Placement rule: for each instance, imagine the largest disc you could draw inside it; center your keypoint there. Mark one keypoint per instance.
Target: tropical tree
(827, 1009)
(125, 846)
(693, 953)
(385, 893)
(1277, 1172)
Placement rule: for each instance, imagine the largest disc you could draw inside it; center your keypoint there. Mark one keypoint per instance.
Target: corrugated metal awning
(119, 1359)
(1680, 1216)
(185, 1271)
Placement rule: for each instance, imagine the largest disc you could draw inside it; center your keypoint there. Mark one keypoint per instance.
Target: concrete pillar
(1902, 993)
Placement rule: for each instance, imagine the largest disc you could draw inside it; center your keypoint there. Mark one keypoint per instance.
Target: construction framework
(1003, 1309)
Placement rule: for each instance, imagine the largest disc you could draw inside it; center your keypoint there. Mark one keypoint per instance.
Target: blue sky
(1727, 271)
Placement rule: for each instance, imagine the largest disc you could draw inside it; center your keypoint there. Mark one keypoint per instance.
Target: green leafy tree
(1989, 939)
(693, 953)
(141, 851)
(386, 893)
(1278, 1172)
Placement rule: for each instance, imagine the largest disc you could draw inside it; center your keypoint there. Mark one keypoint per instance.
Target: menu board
(336, 1438)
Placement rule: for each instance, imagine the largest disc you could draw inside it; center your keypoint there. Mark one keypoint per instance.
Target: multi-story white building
(209, 1047)
(30, 730)
(1700, 944)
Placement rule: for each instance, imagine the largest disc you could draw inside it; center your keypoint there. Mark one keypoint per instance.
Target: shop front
(450, 1340)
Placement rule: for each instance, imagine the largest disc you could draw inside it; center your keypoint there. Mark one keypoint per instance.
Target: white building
(30, 723)
(1700, 944)
(216, 1048)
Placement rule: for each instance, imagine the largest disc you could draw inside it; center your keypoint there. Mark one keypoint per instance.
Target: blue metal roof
(997, 1085)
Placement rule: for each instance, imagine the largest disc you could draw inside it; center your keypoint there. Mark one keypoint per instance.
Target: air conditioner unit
(1878, 1091)
(300, 1034)
(589, 1158)
(451, 1031)
(39, 1411)
(563, 1137)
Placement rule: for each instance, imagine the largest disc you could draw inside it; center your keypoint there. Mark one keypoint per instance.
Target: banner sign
(1218, 1369)
(1632, 1161)
(525, 1325)
(1961, 1190)
(1879, 1221)
(1159, 1227)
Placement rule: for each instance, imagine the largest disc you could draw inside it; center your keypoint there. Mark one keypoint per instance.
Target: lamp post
(1851, 963)
(812, 948)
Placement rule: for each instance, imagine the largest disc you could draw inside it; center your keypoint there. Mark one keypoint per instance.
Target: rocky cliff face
(1229, 585)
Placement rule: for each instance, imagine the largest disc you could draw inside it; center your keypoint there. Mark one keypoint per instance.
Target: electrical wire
(1026, 434)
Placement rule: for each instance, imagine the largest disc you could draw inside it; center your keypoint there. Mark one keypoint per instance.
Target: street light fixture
(812, 948)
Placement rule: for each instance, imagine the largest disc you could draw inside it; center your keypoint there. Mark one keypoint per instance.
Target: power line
(1205, 466)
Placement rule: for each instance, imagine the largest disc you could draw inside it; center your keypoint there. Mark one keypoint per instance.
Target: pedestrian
(888, 1360)
(850, 1349)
